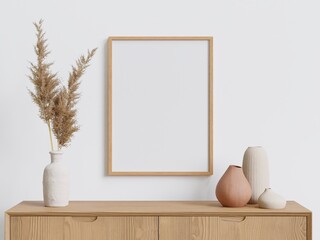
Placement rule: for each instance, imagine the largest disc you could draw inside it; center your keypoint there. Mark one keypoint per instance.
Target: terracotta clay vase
(233, 189)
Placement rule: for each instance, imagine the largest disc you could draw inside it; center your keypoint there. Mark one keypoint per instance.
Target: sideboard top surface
(150, 208)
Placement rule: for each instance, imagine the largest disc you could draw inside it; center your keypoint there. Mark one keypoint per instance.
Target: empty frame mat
(160, 106)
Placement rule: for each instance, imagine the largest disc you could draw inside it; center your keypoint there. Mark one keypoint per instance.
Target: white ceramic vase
(256, 169)
(271, 200)
(56, 182)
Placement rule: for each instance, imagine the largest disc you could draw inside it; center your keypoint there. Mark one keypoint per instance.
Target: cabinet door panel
(84, 228)
(262, 228)
(36, 228)
(188, 228)
(111, 228)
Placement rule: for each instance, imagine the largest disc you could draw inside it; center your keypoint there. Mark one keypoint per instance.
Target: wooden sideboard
(155, 220)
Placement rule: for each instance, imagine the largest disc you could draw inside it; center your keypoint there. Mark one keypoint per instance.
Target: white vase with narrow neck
(56, 182)
(256, 169)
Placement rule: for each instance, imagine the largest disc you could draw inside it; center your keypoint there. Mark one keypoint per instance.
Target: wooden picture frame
(160, 106)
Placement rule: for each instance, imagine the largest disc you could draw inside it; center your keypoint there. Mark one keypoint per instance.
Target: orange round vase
(233, 189)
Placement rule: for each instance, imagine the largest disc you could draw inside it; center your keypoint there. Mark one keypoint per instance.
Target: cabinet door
(188, 228)
(262, 228)
(84, 228)
(111, 228)
(36, 228)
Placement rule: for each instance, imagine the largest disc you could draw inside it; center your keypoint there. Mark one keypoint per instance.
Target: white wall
(267, 92)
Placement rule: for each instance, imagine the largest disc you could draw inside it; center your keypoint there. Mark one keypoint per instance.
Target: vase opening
(56, 152)
(236, 166)
(56, 156)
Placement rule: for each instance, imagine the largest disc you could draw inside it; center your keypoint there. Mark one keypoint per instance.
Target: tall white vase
(56, 182)
(256, 169)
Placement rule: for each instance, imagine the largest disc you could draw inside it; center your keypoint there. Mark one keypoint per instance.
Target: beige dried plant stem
(56, 103)
(45, 83)
(50, 135)
(64, 120)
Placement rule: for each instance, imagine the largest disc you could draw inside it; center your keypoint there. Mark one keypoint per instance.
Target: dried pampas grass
(57, 103)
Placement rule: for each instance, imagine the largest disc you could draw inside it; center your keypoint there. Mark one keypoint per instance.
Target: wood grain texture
(83, 228)
(210, 135)
(109, 110)
(151, 208)
(106, 228)
(309, 226)
(187, 220)
(7, 227)
(188, 228)
(109, 164)
(113, 173)
(36, 228)
(156, 38)
(263, 228)
(232, 228)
